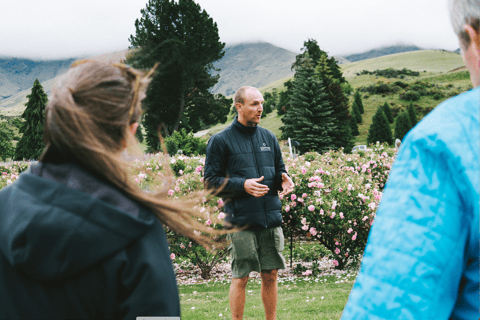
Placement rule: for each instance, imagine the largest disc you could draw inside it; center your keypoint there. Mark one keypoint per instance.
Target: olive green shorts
(256, 250)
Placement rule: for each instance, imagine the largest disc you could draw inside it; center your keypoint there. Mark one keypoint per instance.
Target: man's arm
(283, 181)
(215, 174)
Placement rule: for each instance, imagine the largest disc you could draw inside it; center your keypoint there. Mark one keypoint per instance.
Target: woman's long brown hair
(88, 118)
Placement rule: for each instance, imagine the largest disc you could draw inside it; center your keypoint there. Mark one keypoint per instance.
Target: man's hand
(253, 187)
(287, 184)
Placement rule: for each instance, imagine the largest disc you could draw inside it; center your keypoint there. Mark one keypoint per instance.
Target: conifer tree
(388, 112)
(342, 137)
(6, 147)
(356, 112)
(184, 40)
(402, 125)
(359, 102)
(354, 126)
(31, 144)
(310, 118)
(379, 129)
(412, 115)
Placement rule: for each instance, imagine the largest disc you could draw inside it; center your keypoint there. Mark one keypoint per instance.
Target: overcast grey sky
(51, 29)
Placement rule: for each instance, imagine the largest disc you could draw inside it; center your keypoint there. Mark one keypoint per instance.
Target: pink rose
(337, 251)
(221, 215)
(335, 262)
(313, 231)
(293, 197)
(170, 192)
(304, 195)
(172, 256)
(311, 207)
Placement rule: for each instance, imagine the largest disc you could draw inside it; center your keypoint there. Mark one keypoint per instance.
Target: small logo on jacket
(265, 148)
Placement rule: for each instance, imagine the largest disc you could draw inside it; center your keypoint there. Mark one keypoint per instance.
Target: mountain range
(254, 64)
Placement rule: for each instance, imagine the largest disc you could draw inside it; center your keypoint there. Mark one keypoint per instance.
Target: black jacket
(241, 153)
(73, 247)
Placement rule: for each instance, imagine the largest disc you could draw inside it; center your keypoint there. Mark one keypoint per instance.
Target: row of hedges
(333, 202)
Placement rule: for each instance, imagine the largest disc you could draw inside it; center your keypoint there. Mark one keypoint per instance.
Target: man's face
(250, 112)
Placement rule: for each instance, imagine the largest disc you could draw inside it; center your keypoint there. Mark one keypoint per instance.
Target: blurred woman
(78, 238)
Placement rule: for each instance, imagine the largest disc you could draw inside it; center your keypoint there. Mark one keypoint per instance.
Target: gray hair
(240, 95)
(464, 12)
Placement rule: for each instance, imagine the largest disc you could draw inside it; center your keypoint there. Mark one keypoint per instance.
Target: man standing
(422, 255)
(249, 157)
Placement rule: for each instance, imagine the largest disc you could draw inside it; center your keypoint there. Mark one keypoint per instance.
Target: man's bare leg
(237, 297)
(270, 293)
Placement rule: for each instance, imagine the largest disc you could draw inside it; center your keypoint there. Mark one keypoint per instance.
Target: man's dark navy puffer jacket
(241, 153)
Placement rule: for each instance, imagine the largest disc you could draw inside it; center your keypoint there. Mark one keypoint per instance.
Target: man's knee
(240, 282)
(269, 275)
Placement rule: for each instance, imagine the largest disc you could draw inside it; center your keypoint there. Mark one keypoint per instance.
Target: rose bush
(10, 171)
(335, 199)
(188, 172)
(333, 202)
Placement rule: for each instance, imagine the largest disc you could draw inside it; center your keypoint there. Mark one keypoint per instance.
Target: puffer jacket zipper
(258, 175)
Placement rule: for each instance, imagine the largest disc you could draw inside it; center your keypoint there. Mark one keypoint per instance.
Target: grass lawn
(321, 297)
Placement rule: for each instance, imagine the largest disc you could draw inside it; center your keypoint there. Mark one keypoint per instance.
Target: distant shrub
(401, 84)
(181, 140)
(410, 95)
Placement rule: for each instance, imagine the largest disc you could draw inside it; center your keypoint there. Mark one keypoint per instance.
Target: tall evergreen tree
(185, 41)
(356, 112)
(379, 129)
(402, 125)
(342, 137)
(310, 119)
(358, 101)
(31, 144)
(354, 126)
(388, 112)
(6, 147)
(285, 98)
(312, 49)
(412, 115)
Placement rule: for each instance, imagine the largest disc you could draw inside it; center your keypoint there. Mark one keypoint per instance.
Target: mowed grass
(298, 298)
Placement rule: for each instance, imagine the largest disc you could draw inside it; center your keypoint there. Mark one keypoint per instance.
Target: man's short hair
(240, 95)
(465, 12)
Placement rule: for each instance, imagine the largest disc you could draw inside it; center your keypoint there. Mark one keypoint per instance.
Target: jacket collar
(243, 129)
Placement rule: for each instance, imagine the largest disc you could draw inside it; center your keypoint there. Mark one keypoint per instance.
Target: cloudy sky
(51, 29)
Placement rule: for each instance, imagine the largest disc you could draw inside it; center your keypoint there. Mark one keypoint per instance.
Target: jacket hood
(58, 220)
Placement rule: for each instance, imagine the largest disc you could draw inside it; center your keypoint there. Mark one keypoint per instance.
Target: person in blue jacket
(78, 238)
(422, 256)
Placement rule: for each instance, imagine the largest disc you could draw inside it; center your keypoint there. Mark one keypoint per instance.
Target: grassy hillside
(427, 62)
(383, 51)
(436, 64)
